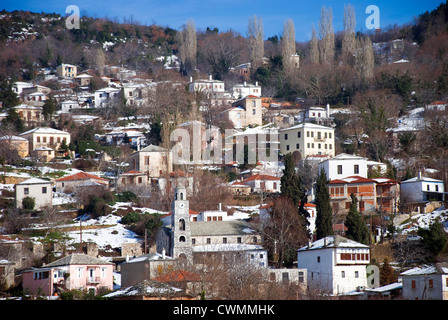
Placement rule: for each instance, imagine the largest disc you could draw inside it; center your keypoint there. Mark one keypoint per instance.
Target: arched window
(181, 239)
(181, 196)
(181, 224)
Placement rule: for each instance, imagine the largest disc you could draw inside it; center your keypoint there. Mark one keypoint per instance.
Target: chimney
(210, 77)
(328, 110)
(325, 242)
(244, 83)
(127, 258)
(220, 206)
(256, 83)
(419, 175)
(163, 253)
(191, 79)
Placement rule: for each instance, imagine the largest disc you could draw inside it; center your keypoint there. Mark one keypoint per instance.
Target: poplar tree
(356, 228)
(324, 218)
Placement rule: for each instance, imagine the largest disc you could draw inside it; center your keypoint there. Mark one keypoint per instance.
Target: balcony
(93, 280)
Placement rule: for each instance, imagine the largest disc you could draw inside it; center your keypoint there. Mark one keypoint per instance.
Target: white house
(206, 85)
(429, 282)
(309, 139)
(106, 96)
(69, 105)
(422, 189)
(263, 183)
(17, 87)
(241, 90)
(38, 189)
(344, 165)
(335, 265)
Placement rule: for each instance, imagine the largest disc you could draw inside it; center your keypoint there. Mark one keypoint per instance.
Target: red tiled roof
(80, 176)
(351, 180)
(261, 177)
(177, 276)
(438, 103)
(133, 172)
(189, 211)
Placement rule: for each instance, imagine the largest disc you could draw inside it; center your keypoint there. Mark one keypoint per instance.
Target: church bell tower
(180, 226)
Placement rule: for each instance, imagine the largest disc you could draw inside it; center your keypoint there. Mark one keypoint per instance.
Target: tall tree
(256, 43)
(187, 41)
(356, 228)
(314, 48)
(288, 46)
(285, 231)
(324, 215)
(291, 182)
(326, 34)
(365, 60)
(348, 37)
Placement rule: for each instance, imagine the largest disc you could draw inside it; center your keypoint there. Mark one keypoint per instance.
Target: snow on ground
(424, 220)
(114, 235)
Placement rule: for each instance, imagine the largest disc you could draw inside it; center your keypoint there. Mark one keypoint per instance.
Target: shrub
(28, 203)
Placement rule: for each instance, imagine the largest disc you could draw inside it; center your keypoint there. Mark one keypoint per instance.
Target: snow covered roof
(227, 247)
(426, 179)
(76, 258)
(438, 268)
(308, 125)
(43, 130)
(333, 242)
(34, 181)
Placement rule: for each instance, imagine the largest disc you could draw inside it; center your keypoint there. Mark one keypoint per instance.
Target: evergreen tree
(291, 182)
(292, 186)
(434, 238)
(49, 108)
(356, 228)
(324, 224)
(387, 275)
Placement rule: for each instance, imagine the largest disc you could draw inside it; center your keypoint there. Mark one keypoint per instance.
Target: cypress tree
(291, 182)
(324, 214)
(356, 228)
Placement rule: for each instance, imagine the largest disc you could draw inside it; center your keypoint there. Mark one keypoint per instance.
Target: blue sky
(234, 14)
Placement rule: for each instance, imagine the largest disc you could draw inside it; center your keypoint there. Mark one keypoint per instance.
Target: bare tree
(288, 46)
(326, 35)
(348, 37)
(314, 49)
(187, 41)
(365, 60)
(256, 43)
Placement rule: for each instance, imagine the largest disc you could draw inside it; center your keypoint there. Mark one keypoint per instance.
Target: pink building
(76, 271)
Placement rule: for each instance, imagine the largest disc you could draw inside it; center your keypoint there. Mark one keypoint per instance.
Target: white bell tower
(180, 226)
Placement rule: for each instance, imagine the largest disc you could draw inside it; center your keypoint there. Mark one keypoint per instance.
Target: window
(103, 272)
(286, 136)
(298, 134)
(437, 188)
(254, 111)
(193, 240)
(44, 190)
(431, 283)
(318, 259)
(181, 239)
(343, 274)
(308, 134)
(356, 274)
(209, 240)
(26, 190)
(339, 169)
(298, 146)
(147, 161)
(224, 240)
(80, 272)
(238, 240)
(356, 169)
(427, 187)
(413, 284)
(287, 147)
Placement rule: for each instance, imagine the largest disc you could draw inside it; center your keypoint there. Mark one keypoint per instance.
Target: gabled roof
(81, 176)
(438, 268)
(262, 177)
(153, 148)
(44, 130)
(34, 181)
(335, 241)
(352, 179)
(78, 259)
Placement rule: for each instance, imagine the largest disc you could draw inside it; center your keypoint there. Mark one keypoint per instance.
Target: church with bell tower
(180, 237)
